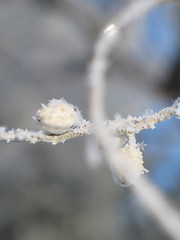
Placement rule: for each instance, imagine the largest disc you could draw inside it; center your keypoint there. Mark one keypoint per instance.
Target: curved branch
(152, 199)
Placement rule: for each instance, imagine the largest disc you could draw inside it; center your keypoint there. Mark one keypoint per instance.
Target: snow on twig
(118, 126)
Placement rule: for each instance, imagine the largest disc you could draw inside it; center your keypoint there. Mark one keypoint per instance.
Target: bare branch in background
(153, 200)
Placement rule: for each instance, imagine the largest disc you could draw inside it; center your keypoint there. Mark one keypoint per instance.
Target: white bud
(58, 117)
(132, 154)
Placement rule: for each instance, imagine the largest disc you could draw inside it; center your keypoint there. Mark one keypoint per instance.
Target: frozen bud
(58, 117)
(134, 158)
(132, 155)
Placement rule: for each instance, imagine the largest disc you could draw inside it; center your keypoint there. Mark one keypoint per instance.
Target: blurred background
(63, 191)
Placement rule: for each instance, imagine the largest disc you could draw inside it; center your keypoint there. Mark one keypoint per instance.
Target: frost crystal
(177, 111)
(58, 117)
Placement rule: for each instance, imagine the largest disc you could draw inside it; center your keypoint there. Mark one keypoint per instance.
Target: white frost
(177, 111)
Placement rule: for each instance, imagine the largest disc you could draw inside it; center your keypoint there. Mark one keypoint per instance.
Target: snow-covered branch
(118, 126)
(146, 121)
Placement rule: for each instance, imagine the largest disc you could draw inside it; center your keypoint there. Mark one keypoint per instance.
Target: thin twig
(20, 135)
(116, 127)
